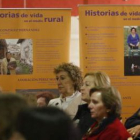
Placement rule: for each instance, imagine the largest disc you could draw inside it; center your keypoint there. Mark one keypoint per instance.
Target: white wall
(74, 42)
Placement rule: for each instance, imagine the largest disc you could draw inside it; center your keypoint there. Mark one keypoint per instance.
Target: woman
(83, 115)
(105, 108)
(69, 81)
(133, 39)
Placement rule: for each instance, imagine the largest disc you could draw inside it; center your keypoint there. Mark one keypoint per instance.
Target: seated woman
(69, 80)
(83, 115)
(133, 125)
(133, 39)
(105, 108)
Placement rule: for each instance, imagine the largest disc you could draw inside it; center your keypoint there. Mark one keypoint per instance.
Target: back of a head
(46, 124)
(10, 105)
(46, 95)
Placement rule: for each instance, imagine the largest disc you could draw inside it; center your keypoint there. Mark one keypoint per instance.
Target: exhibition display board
(38, 40)
(105, 32)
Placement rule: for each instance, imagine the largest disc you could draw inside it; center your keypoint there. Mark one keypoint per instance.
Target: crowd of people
(88, 108)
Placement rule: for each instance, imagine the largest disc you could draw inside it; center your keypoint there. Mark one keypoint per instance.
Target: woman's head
(91, 80)
(68, 78)
(104, 102)
(44, 98)
(46, 123)
(10, 105)
(133, 30)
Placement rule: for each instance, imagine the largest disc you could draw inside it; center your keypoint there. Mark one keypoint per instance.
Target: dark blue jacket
(133, 120)
(133, 40)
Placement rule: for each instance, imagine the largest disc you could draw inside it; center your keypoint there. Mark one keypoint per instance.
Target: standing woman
(69, 80)
(91, 80)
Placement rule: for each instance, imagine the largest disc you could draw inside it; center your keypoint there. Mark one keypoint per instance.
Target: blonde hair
(101, 79)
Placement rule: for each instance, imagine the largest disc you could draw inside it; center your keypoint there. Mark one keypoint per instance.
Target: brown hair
(111, 99)
(73, 71)
(47, 95)
(101, 79)
(10, 105)
(134, 29)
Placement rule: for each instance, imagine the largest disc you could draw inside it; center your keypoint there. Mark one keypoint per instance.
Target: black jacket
(84, 117)
(133, 120)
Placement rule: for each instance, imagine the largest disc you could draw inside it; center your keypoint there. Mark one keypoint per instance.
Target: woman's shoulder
(116, 124)
(83, 107)
(118, 127)
(53, 101)
(137, 34)
(129, 35)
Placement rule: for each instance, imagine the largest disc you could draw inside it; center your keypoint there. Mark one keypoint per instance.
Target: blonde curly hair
(73, 71)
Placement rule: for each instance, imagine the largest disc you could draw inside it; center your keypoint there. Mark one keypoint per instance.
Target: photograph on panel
(131, 50)
(16, 56)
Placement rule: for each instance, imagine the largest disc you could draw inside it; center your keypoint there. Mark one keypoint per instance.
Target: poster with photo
(109, 42)
(32, 43)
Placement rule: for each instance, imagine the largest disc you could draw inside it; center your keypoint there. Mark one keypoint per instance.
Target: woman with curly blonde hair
(69, 80)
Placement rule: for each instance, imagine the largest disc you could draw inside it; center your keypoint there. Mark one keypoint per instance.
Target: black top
(84, 117)
(133, 120)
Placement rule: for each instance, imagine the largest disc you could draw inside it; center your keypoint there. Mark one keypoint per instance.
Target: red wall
(12, 3)
(60, 3)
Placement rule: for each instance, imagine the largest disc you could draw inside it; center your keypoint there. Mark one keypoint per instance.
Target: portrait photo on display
(131, 50)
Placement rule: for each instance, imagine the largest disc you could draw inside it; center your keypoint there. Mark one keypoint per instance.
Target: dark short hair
(46, 123)
(111, 99)
(47, 95)
(73, 71)
(134, 29)
(7, 53)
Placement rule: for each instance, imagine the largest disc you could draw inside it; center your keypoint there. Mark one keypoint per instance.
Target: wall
(59, 3)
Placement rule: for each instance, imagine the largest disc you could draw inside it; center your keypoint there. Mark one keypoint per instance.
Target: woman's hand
(134, 131)
(10, 68)
(132, 44)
